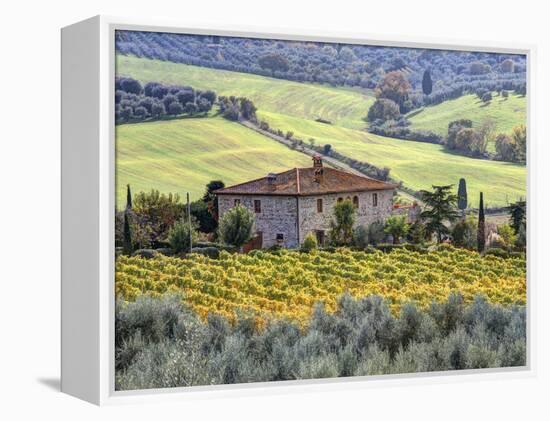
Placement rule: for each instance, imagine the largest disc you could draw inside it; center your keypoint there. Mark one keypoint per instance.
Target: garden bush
(161, 343)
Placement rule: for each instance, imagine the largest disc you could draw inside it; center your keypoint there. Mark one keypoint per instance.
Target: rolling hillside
(183, 155)
(294, 106)
(505, 112)
(345, 107)
(418, 165)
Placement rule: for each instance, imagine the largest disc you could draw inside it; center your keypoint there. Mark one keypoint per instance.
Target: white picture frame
(88, 204)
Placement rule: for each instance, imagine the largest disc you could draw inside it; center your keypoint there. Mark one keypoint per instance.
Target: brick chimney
(318, 168)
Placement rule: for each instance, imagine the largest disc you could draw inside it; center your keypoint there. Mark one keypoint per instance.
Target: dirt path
(311, 152)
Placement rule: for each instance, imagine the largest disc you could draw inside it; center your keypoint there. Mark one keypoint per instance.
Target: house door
(255, 243)
(320, 234)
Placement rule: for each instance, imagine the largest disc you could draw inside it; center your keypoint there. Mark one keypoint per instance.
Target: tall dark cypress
(462, 195)
(427, 83)
(481, 225)
(127, 245)
(128, 197)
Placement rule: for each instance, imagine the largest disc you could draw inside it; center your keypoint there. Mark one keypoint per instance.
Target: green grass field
(294, 106)
(183, 155)
(345, 107)
(419, 165)
(505, 112)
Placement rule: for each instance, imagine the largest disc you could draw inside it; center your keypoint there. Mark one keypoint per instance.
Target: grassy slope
(174, 154)
(419, 165)
(293, 106)
(346, 107)
(506, 113)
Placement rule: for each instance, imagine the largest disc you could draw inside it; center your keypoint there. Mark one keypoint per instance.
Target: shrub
(397, 227)
(181, 235)
(464, 233)
(212, 252)
(361, 236)
(145, 253)
(310, 243)
(236, 226)
(376, 233)
(341, 226)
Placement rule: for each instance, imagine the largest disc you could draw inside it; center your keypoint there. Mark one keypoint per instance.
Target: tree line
(386, 117)
(134, 102)
(452, 73)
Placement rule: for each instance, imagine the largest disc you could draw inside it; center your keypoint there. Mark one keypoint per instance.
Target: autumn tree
(394, 86)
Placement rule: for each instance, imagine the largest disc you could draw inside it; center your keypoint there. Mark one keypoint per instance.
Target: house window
(320, 205)
(340, 199)
(280, 238)
(237, 202)
(257, 206)
(375, 199)
(355, 202)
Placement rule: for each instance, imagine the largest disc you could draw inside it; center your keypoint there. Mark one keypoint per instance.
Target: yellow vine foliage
(289, 283)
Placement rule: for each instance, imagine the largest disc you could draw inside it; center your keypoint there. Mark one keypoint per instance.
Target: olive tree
(236, 226)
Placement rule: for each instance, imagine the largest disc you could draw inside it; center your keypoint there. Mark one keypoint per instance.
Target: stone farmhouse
(290, 205)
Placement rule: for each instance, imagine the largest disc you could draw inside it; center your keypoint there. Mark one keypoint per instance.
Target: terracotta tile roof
(301, 182)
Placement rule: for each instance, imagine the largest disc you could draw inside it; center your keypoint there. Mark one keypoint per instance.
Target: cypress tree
(462, 195)
(427, 83)
(127, 245)
(128, 197)
(481, 225)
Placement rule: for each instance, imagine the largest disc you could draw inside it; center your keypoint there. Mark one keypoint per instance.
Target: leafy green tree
(481, 225)
(236, 226)
(518, 215)
(427, 83)
(417, 233)
(376, 233)
(507, 236)
(210, 198)
(462, 196)
(310, 243)
(519, 136)
(341, 225)
(505, 147)
(440, 210)
(396, 226)
(453, 129)
(181, 235)
(274, 63)
(128, 247)
(160, 211)
(383, 109)
(201, 212)
(464, 233)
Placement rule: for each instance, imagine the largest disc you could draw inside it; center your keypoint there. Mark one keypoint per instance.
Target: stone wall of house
(277, 216)
(311, 220)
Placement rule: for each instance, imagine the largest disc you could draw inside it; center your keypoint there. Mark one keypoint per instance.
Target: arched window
(340, 199)
(356, 202)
